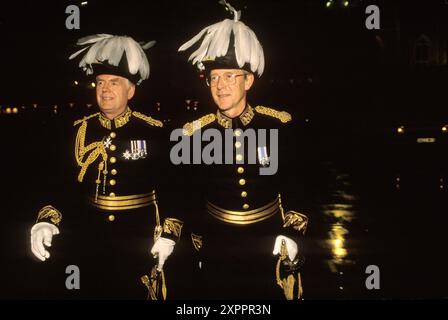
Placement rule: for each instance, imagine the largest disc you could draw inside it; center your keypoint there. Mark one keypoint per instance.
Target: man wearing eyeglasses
(228, 88)
(246, 240)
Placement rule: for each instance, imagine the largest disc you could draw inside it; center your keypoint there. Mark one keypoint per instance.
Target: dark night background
(379, 196)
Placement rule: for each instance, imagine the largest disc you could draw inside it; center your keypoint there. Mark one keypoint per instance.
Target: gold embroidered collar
(119, 121)
(245, 117)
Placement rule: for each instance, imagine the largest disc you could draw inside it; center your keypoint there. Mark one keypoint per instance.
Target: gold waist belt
(124, 202)
(244, 217)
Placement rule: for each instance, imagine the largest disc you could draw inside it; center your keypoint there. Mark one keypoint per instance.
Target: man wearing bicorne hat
(246, 232)
(118, 156)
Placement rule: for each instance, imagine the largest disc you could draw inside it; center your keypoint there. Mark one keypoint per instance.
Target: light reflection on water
(337, 242)
(341, 211)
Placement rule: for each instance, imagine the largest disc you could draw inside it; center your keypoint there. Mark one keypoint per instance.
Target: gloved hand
(162, 249)
(291, 247)
(42, 234)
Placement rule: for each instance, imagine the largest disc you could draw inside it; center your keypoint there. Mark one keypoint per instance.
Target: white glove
(162, 249)
(291, 247)
(42, 234)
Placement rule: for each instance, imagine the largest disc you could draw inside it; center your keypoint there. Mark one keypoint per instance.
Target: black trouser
(239, 265)
(112, 256)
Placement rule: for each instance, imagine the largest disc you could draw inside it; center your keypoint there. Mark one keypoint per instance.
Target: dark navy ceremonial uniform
(236, 212)
(106, 205)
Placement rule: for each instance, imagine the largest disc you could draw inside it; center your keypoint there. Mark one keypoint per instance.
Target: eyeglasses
(228, 79)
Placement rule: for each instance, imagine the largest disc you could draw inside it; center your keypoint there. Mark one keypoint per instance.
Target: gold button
(111, 217)
(112, 182)
(239, 157)
(114, 171)
(238, 132)
(113, 135)
(112, 194)
(238, 144)
(245, 206)
(244, 194)
(113, 148)
(240, 170)
(242, 182)
(113, 160)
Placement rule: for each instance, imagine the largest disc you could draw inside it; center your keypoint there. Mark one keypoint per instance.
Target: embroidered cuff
(297, 221)
(49, 214)
(172, 229)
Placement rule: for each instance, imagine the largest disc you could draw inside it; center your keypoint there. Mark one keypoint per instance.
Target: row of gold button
(240, 170)
(113, 172)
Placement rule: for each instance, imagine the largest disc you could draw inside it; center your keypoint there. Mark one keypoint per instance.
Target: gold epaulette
(283, 116)
(191, 127)
(147, 119)
(84, 119)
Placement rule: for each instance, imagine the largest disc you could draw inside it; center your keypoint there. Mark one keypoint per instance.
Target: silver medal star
(127, 155)
(108, 142)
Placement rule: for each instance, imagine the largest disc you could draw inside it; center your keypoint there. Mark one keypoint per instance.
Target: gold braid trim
(191, 127)
(158, 228)
(85, 119)
(81, 150)
(155, 284)
(288, 283)
(147, 119)
(283, 116)
(247, 116)
(173, 226)
(197, 241)
(223, 120)
(49, 212)
(122, 119)
(118, 121)
(298, 221)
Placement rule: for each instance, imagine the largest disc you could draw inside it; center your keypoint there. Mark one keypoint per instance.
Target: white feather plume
(93, 38)
(150, 44)
(102, 47)
(216, 41)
